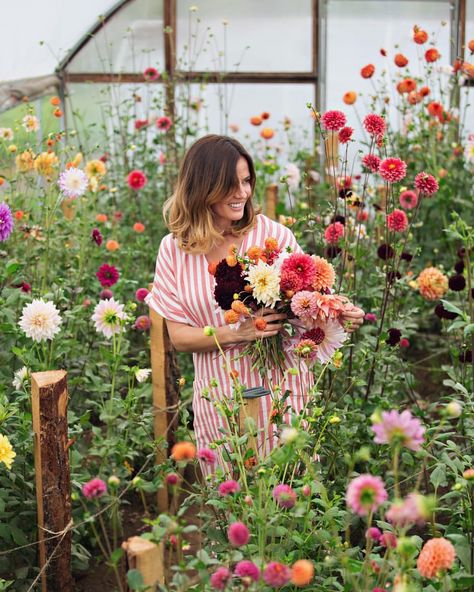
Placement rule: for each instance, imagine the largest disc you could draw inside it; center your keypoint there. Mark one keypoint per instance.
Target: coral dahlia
(432, 283)
(324, 274)
(436, 556)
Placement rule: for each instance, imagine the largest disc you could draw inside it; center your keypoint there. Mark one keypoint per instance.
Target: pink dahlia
(334, 232)
(301, 264)
(136, 180)
(373, 533)
(399, 429)
(397, 221)
(329, 336)
(365, 494)
(141, 294)
(238, 534)
(94, 488)
(426, 183)
(151, 74)
(345, 134)
(388, 540)
(407, 512)
(164, 123)
(393, 169)
(408, 199)
(107, 275)
(229, 487)
(247, 570)
(277, 574)
(207, 455)
(374, 124)
(333, 120)
(284, 496)
(371, 162)
(303, 304)
(220, 578)
(143, 323)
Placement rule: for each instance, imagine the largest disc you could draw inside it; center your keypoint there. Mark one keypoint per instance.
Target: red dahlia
(397, 221)
(426, 183)
(371, 162)
(345, 134)
(393, 169)
(374, 124)
(333, 120)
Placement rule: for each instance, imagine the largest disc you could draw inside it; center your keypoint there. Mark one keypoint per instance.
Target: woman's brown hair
(207, 175)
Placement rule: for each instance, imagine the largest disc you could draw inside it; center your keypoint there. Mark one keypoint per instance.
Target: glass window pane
(263, 36)
(388, 25)
(129, 42)
(97, 111)
(228, 108)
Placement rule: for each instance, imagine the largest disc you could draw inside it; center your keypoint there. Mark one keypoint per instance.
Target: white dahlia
(141, 374)
(73, 182)
(40, 320)
(21, 378)
(108, 317)
(265, 281)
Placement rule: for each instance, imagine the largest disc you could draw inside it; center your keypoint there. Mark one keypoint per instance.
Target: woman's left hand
(352, 319)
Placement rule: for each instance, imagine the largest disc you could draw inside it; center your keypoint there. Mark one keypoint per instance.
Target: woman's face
(231, 208)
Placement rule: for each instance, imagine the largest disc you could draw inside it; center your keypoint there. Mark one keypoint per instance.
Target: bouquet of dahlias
(290, 282)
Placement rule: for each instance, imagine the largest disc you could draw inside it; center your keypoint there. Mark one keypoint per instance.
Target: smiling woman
(210, 210)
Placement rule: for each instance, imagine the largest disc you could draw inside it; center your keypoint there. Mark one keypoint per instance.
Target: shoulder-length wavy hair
(208, 174)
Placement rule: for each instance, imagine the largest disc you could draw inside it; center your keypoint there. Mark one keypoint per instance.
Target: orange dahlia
(239, 307)
(432, 283)
(183, 451)
(349, 97)
(255, 253)
(367, 71)
(324, 275)
(437, 555)
(231, 317)
(302, 572)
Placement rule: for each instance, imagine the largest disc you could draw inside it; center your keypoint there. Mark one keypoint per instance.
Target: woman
(210, 210)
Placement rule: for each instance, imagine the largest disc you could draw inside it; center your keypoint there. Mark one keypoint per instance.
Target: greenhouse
(237, 296)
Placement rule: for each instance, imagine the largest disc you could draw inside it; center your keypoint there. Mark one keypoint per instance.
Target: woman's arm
(192, 339)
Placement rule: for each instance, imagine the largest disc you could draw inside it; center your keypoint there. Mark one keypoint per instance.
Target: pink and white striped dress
(183, 291)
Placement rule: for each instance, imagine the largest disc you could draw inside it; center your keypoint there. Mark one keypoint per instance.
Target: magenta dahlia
(277, 574)
(301, 264)
(107, 275)
(345, 134)
(284, 496)
(397, 220)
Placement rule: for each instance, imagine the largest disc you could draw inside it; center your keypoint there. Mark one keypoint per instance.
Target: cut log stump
(147, 558)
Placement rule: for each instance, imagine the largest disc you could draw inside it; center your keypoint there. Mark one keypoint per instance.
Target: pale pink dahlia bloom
(365, 494)
(329, 337)
(408, 511)
(399, 428)
(303, 304)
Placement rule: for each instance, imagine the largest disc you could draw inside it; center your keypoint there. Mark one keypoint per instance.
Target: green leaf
(438, 476)
(463, 549)
(468, 329)
(452, 307)
(135, 579)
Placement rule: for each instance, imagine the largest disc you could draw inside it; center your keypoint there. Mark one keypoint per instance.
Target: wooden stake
(147, 558)
(271, 200)
(165, 375)
(53, 486)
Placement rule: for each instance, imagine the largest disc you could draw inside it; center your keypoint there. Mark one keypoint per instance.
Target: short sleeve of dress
(283, 235)
(164, 298)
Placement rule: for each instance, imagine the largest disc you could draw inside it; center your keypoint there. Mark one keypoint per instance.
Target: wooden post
(271, 200)
(165, 375)
(332, 152)
(53, 487)
(147, 558)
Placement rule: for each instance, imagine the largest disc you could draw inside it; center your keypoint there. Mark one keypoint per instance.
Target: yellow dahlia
(95, 168)
(6, 452)
(324, 276)
(45, 163)
(432, 283)
(25, 161)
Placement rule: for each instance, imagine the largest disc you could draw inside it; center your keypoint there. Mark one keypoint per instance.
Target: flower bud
(113, 481)
(289, 435)
(454, 409)
(209, 331)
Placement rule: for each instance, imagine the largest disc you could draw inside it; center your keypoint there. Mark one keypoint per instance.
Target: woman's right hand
(248, 331)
